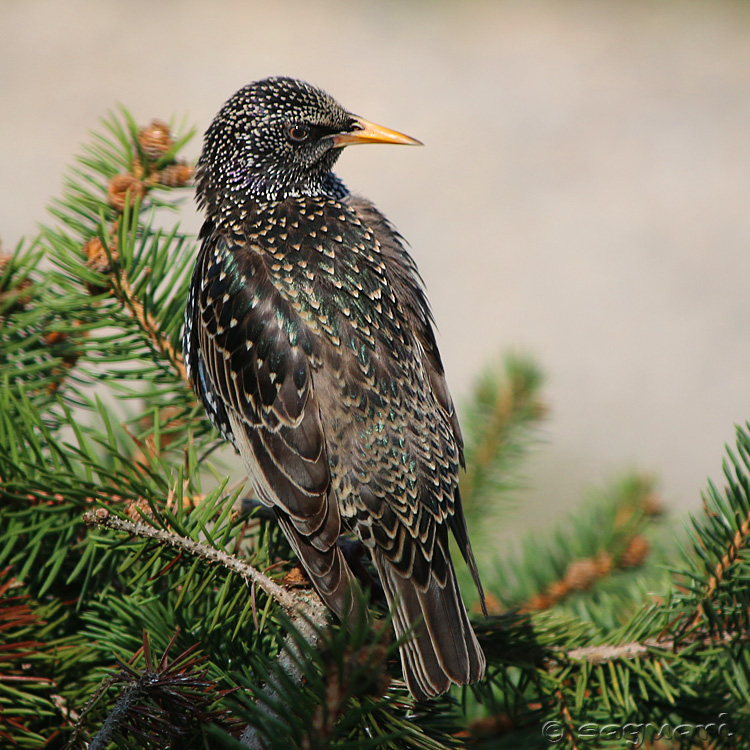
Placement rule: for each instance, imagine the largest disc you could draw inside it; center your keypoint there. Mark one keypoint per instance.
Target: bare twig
(637, 649)
(287, 599)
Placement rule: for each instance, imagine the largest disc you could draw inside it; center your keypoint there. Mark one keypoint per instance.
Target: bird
(309, 340)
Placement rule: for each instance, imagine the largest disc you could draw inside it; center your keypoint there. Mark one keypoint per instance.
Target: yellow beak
(369, 132)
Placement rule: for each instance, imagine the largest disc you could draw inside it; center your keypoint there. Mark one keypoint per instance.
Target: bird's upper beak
(363, 131)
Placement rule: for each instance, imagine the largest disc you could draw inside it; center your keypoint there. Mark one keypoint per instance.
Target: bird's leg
(249, 504)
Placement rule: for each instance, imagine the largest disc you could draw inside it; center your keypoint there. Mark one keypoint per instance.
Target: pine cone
(636, 552)
(124, 188)
(155, 139)
(175, 175)
(582, 573)
(99, 261)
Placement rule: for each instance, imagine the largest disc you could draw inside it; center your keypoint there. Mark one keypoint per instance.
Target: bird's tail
(442, 648)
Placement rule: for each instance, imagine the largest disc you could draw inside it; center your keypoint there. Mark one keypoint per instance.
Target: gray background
(583, 196)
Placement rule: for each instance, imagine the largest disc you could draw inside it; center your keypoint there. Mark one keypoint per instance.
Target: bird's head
(276, 138)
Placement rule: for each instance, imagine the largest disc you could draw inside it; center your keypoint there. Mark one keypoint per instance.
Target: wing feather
(241, 323)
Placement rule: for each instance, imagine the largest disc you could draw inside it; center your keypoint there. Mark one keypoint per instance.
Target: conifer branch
(118, 715)
(290, 601)
(149, 325)
(289, 662)
(583, 574)
(740, 540)
(610, 537)
(505, 405)
(603, 653)
(308, 615)
(567, 719)
(159, 700)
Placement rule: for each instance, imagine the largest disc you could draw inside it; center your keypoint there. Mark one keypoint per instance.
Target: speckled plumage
(309, 340)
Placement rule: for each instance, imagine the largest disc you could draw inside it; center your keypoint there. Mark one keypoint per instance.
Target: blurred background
(583, 197)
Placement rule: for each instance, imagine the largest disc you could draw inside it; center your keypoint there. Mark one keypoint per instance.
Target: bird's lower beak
(364, 131)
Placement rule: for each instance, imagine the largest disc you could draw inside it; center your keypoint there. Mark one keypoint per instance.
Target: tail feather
(443, 648)
(327, 569)
(457, 523)
(438, 644)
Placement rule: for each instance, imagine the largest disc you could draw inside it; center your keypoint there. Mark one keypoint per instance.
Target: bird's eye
(298, 133)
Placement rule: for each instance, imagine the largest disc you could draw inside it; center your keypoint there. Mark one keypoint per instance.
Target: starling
(309, 340)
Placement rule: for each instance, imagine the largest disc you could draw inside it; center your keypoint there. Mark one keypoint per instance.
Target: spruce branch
(504, 409)
(25, 655)
(653, 647)
(291, 601)
(609, 535)
(716, 574)
(114, 266)
(148, 324)
(567, 721)
(158, 701)
(582, 574)
(740, 540)
(308, 614)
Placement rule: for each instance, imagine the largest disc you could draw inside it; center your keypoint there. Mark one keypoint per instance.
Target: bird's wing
(407, 283)
(408, 286)
(250, 360)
